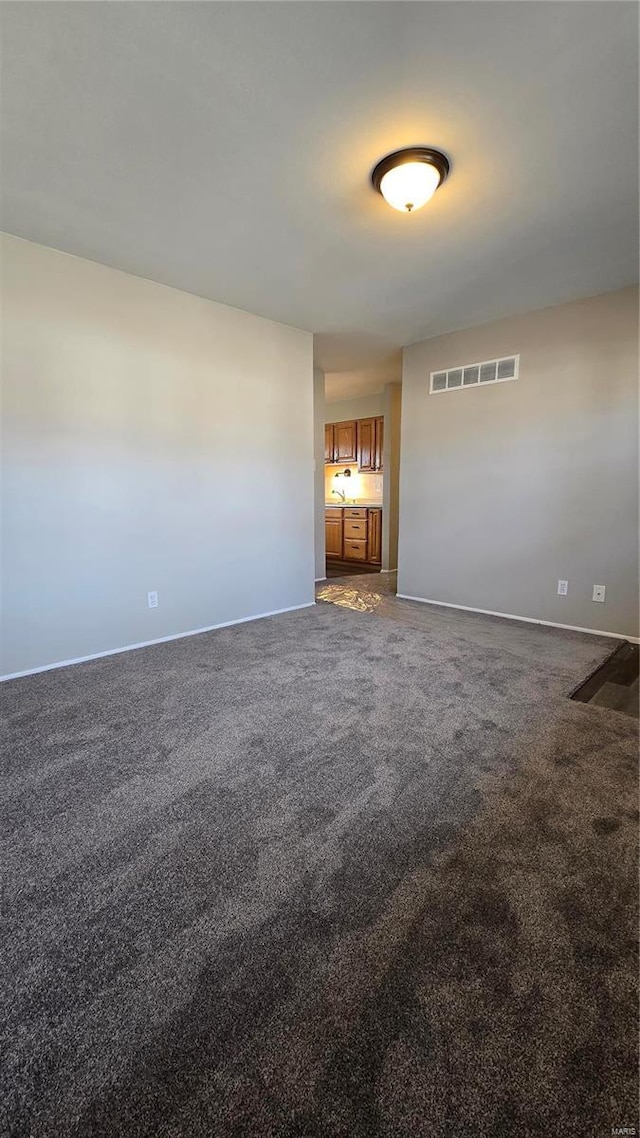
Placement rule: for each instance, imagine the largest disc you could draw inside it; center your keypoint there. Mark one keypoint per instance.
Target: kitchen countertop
(363, 504)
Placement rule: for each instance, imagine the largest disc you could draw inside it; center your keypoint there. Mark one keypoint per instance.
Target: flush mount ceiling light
(408, 178)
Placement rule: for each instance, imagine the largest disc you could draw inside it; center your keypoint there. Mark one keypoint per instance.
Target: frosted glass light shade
(408, 178)
(410, 186)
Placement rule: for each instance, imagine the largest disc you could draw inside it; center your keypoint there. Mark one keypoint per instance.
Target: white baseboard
(319, 579)
(150, 643)
(525, 619)
(388, 570)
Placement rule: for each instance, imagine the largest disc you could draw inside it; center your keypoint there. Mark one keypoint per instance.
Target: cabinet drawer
(355, 550)
(355, 512)
(355, 527)
(333, 514)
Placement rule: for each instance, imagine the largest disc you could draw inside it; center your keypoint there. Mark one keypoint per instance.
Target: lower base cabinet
(333, 532)
(355, 550)
(353, 533)
(374, 535)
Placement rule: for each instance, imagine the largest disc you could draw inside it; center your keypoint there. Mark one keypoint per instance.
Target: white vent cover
(474, 375)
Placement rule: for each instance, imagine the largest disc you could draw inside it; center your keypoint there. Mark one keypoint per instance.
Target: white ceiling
(225, 149)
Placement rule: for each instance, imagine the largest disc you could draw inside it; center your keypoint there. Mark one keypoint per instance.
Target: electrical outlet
(563, 588)
(598, 592)
(152, 600)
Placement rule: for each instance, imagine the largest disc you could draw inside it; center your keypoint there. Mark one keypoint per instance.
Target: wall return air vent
(475, 375)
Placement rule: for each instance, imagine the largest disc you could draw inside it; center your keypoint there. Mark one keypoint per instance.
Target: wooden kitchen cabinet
(344, 442)
(353, 533)
(355, 528)
(366, 444)
(374, 535)
(333, 532)
(328, 442)
(356, 440)
(379, 444)
(370, 443)
(355, 550)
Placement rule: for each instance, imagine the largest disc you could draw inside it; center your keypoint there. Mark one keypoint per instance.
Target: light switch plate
(598, 592)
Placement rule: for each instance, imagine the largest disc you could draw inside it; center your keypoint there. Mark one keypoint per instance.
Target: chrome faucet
(341, 494)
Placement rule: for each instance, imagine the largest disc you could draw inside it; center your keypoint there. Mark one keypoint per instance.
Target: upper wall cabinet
(379, 449)
(366, 444)
(328, 442)
(357, 440)
(340, 442)
(344, 441)
(370, 444)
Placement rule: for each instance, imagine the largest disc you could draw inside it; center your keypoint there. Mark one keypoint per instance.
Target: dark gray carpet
(324, 874)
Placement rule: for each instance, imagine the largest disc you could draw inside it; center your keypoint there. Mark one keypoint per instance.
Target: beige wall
(392, 444)
(364, 407)
(152, 440)
(319, 473)
(507, 488)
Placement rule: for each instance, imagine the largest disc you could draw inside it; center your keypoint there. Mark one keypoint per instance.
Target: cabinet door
(379, 444)
(374, 533)
(328, 442)
(344, 441)
(333, 536)
(366, 444)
